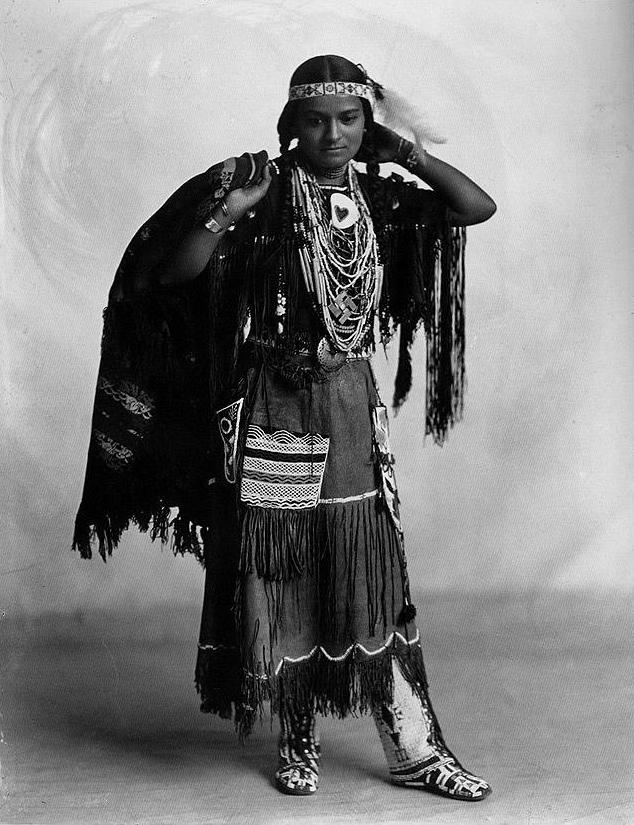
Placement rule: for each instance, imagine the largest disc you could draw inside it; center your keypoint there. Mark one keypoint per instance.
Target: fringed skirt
(307, 598)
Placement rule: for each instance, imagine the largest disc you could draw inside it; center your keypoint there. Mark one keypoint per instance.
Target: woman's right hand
(239, 201)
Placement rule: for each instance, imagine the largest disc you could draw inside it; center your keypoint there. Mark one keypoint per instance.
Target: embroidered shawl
(170, 354)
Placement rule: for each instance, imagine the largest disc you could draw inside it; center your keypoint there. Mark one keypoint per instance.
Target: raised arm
(174, 246)
(192, 255)
(467, 202)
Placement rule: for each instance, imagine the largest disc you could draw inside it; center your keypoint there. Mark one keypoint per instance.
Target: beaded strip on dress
(340, 264)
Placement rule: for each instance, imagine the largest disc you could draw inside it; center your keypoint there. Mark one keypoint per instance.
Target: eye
(313, 121)
(350, 118)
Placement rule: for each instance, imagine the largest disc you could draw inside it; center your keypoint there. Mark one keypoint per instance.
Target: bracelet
(412, 160)
(225, 210)
(408, 155)
(212, 224)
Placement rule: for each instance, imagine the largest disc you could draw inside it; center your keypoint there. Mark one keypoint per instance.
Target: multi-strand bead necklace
(338, 254)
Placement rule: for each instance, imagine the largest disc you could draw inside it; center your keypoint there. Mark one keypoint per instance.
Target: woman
(253, 292)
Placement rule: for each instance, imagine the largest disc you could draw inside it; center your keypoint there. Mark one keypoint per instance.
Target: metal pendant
(329, 358)
(344, 212)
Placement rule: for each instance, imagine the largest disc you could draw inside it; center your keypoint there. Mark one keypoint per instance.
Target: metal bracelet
(213, 226)
(412, 160)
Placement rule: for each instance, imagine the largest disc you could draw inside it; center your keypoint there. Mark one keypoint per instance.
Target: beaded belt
(328, 357)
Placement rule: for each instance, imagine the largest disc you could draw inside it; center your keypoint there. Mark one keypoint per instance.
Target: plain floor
(100, 724)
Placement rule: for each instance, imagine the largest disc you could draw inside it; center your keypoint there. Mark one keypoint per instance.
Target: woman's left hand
(387, 144)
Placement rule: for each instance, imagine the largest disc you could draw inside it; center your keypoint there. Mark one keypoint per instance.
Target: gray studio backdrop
(110, 106)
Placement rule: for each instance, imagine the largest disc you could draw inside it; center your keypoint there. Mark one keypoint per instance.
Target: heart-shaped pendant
(344, 211)
(340, 213)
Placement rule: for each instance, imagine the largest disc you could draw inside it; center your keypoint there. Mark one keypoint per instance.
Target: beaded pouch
(282, 470)
(229, 426)
(386, 463)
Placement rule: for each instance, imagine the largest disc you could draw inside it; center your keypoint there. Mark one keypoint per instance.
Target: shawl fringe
(103, 534)
(426, 289)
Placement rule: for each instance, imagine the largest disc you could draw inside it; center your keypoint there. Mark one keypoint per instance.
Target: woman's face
(329, 130)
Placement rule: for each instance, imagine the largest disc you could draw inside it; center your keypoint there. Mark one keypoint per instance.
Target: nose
(333, 132)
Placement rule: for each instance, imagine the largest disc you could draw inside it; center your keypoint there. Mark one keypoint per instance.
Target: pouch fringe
(278, 544)
(331, 540)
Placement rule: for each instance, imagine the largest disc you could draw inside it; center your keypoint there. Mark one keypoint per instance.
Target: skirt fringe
(342, 686)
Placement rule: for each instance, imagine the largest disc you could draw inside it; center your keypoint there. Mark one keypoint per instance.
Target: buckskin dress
(215, 426)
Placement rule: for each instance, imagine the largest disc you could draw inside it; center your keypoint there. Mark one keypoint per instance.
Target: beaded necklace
(338, 254)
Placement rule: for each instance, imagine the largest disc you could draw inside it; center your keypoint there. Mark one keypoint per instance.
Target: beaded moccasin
(299, 751)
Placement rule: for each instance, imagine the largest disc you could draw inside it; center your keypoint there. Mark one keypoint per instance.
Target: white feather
(397, 113)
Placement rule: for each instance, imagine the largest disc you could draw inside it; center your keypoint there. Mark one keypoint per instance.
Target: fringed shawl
(170, 355)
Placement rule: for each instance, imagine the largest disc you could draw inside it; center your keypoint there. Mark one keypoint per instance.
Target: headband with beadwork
(331, 87)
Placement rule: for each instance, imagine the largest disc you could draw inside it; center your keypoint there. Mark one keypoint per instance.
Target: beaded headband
(331, 87)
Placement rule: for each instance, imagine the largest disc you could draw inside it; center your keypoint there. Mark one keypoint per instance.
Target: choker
(326, 174)
(333, 174)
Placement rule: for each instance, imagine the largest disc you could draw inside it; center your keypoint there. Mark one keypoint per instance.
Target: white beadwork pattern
(415, 758)
(386, 463)
(229, 425)
(335, 87)
(301, 468)
(113, 452)
(349, 499)
(282, 470)
(352, 649)
(132, 397)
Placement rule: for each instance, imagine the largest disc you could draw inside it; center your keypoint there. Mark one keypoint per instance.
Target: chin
(330, 160)
(325, 160)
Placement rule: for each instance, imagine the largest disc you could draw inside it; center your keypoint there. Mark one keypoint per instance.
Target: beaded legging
(416, 753)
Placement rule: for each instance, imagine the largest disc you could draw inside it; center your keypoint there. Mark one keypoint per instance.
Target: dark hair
(323, 69)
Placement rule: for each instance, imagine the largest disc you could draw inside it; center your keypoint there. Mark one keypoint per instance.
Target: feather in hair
(396, 112)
